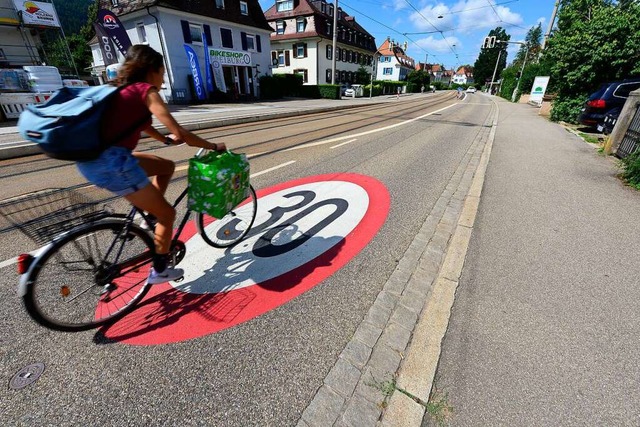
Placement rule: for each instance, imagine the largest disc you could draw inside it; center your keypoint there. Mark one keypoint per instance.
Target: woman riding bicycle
(124, 172)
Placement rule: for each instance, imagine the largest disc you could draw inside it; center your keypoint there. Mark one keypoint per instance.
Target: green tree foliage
(77, 17)
(596, 41)
(363, 76)
(419, 78)
(533, 42)
(486, 62)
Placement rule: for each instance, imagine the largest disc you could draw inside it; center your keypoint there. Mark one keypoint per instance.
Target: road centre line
(344, 143)
(253, 175)
(342, 138)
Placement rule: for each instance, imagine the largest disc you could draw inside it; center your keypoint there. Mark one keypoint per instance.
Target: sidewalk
(544, 329)
(194, 117)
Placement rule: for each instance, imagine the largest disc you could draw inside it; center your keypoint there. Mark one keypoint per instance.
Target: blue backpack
(68, 125)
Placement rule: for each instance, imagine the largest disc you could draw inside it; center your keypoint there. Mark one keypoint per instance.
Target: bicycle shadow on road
(202, 306)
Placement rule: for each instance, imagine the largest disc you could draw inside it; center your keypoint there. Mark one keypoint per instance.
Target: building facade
(463, 76)
(302, 42)
(229, 28)
(20, 42)
(393, 62)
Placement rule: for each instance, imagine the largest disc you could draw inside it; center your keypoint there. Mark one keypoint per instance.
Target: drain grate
(27, 375)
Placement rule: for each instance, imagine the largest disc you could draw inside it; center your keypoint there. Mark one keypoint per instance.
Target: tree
(419, 78)
(486, 62)
(596, 41)
(533, 42)
(363, 76)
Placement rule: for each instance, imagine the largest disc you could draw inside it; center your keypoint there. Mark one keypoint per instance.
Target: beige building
(302, 42)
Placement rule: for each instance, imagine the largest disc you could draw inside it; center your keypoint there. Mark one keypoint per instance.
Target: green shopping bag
(218, 182)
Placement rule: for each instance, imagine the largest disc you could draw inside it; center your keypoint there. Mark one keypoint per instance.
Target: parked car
(610, 120)
(354, 90)
(343, 89)
(608, 97)
(471, 89)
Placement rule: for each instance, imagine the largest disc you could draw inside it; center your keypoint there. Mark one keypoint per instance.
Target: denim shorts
(116, 170)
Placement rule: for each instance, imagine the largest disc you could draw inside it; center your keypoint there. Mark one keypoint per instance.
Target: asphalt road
(266, 370)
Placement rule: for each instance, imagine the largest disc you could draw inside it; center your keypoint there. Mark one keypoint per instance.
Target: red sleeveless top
(128, 107)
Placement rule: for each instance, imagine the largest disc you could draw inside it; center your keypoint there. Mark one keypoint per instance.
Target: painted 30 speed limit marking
(305, 230)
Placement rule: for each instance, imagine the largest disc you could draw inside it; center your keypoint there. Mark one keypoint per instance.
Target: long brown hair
(140, 60)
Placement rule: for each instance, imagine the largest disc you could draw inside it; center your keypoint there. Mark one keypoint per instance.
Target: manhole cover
(26, 376)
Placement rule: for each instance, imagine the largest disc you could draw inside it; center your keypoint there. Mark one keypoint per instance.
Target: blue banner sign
(195, 71)
(113, 27)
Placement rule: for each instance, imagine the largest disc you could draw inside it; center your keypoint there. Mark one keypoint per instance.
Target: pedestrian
(124, 172)
(399, 89)
(422, 89)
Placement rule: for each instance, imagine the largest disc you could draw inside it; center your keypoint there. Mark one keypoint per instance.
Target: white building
(237, 27)
(393, 62)
(303, 38)
(463, 76)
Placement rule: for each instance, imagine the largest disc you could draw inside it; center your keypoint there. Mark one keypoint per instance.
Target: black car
(608, 97)
(610, 120)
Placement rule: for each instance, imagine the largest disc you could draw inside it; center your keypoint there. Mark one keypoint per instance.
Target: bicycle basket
(45, 214)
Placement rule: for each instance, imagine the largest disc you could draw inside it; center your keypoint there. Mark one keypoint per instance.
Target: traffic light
(489, 42)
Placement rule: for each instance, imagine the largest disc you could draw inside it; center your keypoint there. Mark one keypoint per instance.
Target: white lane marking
(8, 262)
(16, 146)
(342, 138)
(344, 143)
(253, 175)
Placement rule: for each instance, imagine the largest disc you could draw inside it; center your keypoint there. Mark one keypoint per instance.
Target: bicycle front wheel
(227, 231)
(90, 277)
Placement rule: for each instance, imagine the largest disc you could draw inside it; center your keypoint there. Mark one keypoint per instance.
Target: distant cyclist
(124, 172)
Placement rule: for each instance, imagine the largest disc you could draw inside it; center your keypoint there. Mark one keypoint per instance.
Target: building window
(251, 42)
(196, 33)
(284, 5)
(328, 76)
(348, 56)
(244, 9)
(330, 10)
(329, 51)
(220, 4)
(301, 23)
(281, 58)
(142, 33)
(323, 7)
(343, 76)
(279, 27)
(329, 28)
(300, 50)
(387, 71)
(338, 53)
(227, 38)
(303, 73)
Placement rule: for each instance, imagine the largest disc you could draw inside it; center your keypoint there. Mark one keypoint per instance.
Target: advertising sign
(207, 68)
(539, 88)
(37, 13)
(230, 57)
(109, 55)
(113, 27)
(195, 71)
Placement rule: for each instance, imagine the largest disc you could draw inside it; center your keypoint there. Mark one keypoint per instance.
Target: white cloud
(476, 14)
(439, 44)
(431, 14)
(399, 5)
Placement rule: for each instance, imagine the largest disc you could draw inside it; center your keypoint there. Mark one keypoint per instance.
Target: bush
(280, 85)
(389, 87)
(329, 91)
(439, 85)
(377, 90)
(631, 169)
(310, 91)
(567, 110)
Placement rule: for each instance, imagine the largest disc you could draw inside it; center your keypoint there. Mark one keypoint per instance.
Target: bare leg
(151, 200)
(161, 169)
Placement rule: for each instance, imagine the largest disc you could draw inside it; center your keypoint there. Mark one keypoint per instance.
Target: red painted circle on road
(222, 290)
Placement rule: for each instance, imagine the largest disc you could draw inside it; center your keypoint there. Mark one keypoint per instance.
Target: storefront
(233, 72)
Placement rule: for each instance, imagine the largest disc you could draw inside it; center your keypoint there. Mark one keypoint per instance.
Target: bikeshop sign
(37, 13)
(230, 57)
(305, 230)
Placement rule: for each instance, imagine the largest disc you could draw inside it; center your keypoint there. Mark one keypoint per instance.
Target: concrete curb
(418, 370)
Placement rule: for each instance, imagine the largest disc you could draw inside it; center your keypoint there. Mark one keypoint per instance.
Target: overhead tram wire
(435, 28)
(500, 19)
(476, 8)
(391, 29)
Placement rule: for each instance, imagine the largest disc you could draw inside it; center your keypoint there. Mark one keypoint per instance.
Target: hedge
(280, 85)
(329, 91)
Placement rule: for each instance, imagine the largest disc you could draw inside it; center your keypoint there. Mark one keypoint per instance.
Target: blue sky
(454, 39)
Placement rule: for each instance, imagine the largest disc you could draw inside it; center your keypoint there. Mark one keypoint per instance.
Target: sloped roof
(307, 8)
(397, 51)
(230, 13)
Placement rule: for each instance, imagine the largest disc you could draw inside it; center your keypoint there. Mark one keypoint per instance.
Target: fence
(631, 139)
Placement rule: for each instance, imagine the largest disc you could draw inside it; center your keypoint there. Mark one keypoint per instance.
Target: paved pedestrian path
(544, 330)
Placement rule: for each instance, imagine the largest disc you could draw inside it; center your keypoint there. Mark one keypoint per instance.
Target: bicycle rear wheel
(89, 277)
(227, 231)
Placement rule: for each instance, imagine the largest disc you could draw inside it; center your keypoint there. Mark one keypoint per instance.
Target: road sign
(305, 230)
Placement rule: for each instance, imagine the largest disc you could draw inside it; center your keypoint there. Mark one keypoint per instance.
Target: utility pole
(515, 92)
(553, 19)
(494, 73)
(335, 42)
